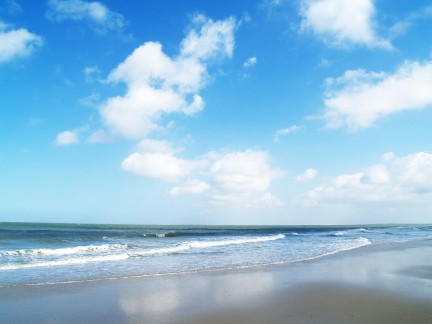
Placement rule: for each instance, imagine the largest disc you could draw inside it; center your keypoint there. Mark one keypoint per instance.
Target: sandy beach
(373, 284)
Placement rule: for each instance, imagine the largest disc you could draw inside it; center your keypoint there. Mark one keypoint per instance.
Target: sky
(216, 112)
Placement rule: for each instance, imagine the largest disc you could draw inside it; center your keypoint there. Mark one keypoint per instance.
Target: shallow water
(47, 253)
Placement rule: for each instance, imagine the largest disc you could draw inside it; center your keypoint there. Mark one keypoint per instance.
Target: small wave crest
(65, 251)
(350, 245)
(337, 234)
(205, 244)
(65, 262)
(163, 250)
(154, 235)
(83, 253)
(186, 233)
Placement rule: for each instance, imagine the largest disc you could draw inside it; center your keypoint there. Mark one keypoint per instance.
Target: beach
(181, 162)
(386, 283)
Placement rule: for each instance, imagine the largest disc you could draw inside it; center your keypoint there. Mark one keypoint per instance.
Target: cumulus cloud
(155, 159)
(239, 177)
(158, 85)
(193, 186)
(67, 138)
(342, 23)
(394, 179)
(155, 146)
(359, 98)
(286, 131)
(99, 136)
(242, 177)
(17, 42)
(160, 166)
(209, 39)
(308, 174)
(96, 14)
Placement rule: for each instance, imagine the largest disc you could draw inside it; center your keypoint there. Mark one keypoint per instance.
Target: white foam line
(65, 251)
(80, 249)
(204, 244)
(66, 262)
(165, 250)
(365, 243)
(199, 244)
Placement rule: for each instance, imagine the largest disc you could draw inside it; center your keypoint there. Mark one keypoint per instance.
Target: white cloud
(99, 136)
(286, 131)
(308, 174)
(394, 180)
(155, 159)
(67, 138)
(99, 17)
(250, 62)
(240, 177)
(155, 146)
(342, 23)
(193, 186)
(213, 39)
(158, 85)
(17, 42)
(359, 98)
(161, 166)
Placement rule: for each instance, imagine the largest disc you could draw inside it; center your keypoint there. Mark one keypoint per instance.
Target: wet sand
(373, 284)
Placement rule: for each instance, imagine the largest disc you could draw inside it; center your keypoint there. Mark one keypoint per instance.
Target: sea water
(34, 254)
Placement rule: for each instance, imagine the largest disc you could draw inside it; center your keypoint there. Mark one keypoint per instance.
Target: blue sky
(216, 112)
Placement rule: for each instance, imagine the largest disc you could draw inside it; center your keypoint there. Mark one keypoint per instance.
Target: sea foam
(66, 262)
(64, 251)
(204, 244)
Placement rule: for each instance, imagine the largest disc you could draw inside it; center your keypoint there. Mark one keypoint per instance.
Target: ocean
(41, 254)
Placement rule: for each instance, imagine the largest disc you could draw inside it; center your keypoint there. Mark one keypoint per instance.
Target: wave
(349, 231)
(184, 246)
(187, 233)
(65, 251)
(114, 257)
(164, 250)
(204, 244)
(337, 234)
(155, 235)
(72, 261)
(351, 245)
(355, 244)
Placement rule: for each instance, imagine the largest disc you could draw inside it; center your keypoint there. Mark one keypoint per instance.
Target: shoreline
(380, 246)
(397, 277)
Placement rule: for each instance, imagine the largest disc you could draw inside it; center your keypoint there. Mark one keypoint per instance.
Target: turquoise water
(33, 253)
